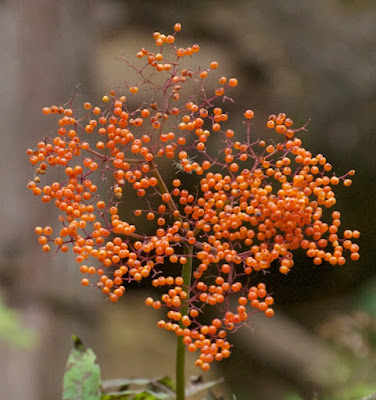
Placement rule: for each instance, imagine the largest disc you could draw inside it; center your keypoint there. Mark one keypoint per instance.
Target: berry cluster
(254, 203)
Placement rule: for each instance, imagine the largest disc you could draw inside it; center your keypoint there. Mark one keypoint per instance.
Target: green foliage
(138, 389)
(152, 389)
(82, 382)
(293, 396)
(366, 297)
(131, 395)
(12, 330)
(82, 377)
(358, 391)
(355, 391)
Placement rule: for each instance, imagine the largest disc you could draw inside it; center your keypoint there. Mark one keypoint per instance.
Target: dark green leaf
(167, 382)
(164, 385)
(77, 343)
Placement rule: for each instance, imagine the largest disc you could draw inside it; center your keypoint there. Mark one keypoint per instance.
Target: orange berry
(85, 282)
(166, 197)
(203, 74)
(38, 230)
(270, 124)
(249, 114)
(233, 82)
(269, 312)
(114, 298)
(281, 129)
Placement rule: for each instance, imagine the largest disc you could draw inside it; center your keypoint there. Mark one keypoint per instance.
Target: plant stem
(186, 275)
(180, 352)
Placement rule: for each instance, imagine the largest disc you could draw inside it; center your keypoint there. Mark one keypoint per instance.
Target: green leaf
(164, 384)
(136, 395)
(82, 377)
(123, 396)
(146, 395)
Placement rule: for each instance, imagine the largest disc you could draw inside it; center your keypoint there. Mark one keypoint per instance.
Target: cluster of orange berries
(254, 205)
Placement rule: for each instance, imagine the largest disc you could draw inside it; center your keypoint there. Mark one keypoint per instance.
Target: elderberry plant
(253, 206)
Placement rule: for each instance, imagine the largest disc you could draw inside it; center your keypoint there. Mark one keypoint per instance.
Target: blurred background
(309, 59)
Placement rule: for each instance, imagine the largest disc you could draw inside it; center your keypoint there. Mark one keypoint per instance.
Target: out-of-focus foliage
(353, 334)
(12, 330)
(367, 297)
(351, 392)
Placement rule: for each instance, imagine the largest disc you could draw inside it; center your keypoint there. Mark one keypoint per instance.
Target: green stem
(180, 353)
